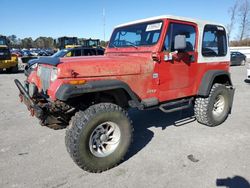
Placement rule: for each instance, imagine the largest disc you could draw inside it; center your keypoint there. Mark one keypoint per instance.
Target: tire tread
(78, 122)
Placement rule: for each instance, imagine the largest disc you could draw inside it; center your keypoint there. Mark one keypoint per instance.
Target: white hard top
(197, 21)
(200, 25)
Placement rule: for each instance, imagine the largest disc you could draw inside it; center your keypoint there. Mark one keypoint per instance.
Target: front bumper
(34, 109)
(50, 114)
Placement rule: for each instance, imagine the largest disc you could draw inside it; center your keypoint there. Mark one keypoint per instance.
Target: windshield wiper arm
(112, 44)
(132, 44)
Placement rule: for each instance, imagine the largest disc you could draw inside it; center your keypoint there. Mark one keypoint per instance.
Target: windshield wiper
(112, 44)
(132, 44)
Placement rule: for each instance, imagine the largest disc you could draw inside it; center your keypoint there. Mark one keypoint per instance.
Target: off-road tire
(81, 128)
(204, 107)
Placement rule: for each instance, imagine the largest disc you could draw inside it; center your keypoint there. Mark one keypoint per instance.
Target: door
(177, 68)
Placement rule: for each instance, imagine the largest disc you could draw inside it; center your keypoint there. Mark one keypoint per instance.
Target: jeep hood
(97, 66)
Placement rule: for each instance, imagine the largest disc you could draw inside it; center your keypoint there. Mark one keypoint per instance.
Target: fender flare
(67, 91)
(208, 80)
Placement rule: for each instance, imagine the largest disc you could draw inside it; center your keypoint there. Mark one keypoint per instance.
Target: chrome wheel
(219, 106)
(104, 139)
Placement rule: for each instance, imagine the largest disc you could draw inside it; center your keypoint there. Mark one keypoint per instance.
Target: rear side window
(214, 42)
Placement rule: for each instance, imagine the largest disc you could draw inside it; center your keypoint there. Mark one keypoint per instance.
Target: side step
(176, 105)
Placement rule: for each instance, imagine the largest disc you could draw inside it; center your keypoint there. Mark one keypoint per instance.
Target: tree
(104, 43)
(44, 42)
(27, 43)
(244, 11)
(232, 12)
(39, 43)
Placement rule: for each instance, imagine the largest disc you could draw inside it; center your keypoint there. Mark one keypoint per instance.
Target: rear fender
(211, 77)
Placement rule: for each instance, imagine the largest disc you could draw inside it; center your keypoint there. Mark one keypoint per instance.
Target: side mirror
(180, 42)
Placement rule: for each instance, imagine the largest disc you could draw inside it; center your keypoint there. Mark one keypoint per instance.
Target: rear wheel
(214, 109)
(98, 138)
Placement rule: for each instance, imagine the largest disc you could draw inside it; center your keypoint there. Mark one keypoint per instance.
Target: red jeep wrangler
(166, 62)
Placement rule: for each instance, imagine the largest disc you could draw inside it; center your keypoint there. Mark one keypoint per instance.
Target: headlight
(34, 66)
(53, 75)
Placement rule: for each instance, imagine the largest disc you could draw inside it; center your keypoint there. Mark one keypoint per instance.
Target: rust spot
(32, 112)
(21, 97)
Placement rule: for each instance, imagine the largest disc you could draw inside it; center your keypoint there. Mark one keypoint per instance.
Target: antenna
(104, 23)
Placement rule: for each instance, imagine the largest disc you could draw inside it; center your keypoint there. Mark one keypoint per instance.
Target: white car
(248, 72)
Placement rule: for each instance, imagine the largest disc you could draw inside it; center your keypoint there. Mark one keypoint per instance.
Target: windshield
(60, 53)
(70, 41)
(143, 34)
(2, 41)
(93, 43)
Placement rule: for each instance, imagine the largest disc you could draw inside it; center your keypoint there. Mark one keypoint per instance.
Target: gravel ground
(166, 152)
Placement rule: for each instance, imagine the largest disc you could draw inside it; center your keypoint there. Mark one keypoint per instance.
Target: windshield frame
(116, 30)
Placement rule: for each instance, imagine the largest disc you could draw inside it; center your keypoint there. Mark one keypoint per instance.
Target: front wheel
(98, 138)
(214, 109)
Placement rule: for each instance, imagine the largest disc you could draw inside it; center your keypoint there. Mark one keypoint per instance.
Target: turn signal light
(77, 82)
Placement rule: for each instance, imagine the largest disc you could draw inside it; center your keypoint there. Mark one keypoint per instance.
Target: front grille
(45, 77)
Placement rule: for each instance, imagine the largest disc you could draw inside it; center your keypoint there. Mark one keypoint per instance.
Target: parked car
(43, 53)
(237, 58)
(34, 52)
(26, 53)
(18, 53)
(69, 52)
(248, 73)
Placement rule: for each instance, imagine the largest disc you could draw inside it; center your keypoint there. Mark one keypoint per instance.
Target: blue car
(69, 52)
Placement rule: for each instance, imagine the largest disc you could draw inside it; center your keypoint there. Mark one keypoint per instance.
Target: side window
(180, 29)
(214, 42)
(77, 52)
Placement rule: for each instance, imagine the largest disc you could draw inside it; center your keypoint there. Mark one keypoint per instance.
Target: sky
(84, 18)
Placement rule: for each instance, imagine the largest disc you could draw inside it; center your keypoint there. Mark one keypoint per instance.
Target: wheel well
(212, 77)
(116, 96)
(222, 79)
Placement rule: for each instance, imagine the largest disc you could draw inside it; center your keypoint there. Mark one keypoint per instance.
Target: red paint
(176, 79)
